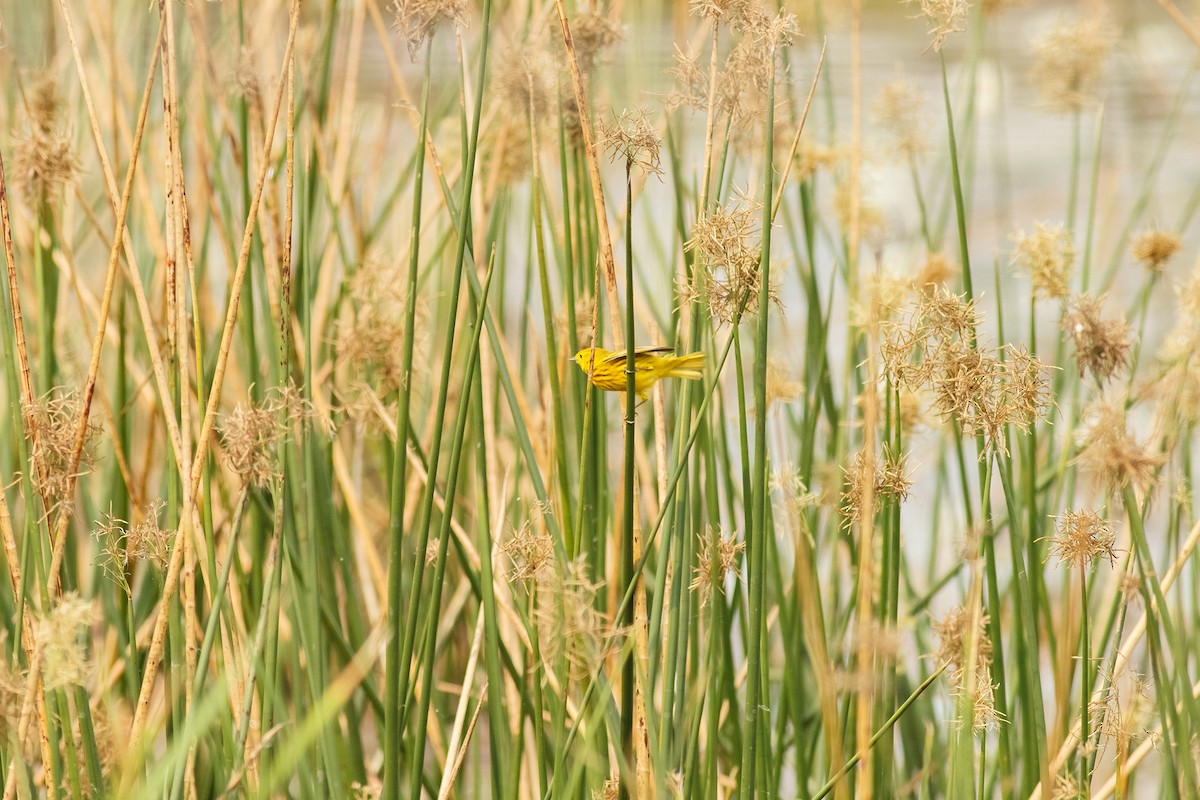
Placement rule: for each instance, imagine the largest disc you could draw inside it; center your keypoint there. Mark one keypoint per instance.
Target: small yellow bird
(606, 369)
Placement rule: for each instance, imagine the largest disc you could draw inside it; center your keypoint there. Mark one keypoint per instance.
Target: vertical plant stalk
(757, 544)
(392, 719)
(629, 672)
(425, 514)
(444, 534)
(607, 259)
(154, 656)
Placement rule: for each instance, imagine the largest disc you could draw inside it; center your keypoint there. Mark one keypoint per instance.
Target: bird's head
(584, 358)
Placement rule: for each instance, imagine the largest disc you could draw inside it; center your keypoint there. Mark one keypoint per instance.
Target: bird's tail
(688, 366)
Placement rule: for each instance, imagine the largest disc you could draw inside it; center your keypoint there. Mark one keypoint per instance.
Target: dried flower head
(944, 17)
(122, 544)
(1102, 346)
(593, 35)
(983, 391)
(1081, 537)
(251, 433)
(1154, 247)
(631, 138)
(507, 152)
(880, 477)
(1113, 454)
(418, 20)
(12, 699)
(530, 549)
(872, 224)
(812, 156)
(52, 426)
(780, 386)
(1048, 255)
(1069, 61)
(716, 557)
(963, 639)
(727, 245)
(371, 334)
(1125, 707)
(62, 636)
(898, 109)
(525, 78)
(743, 83)
(690, 81)
(936, 270)
(569, 623)
(880, 297)
(722, 12)
(43, 160)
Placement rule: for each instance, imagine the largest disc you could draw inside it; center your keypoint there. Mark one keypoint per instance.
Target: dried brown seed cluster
(881, 477)
(632, 138)
(716, 557)
(1068, 62)
(417, 20)
(569, 623)
(251, 433)
(51, 423)
(1082, 537)
(1154, 247)
(1048, 255)
(1115, 455)
(593, 35)
(61, 635)
(530, 550)
(742, 83)
(982, 391)
(961, 634)
(898, 110)
(525, 78)
(727, 245)
(371, 335)
(1102, 346)
(43, 160)
(122, 543)
(945, 17)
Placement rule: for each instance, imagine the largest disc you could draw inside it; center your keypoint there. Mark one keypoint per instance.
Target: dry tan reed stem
(154, 656)
(110, 183)
(1186, 25)
(608, 262)
(110, 280)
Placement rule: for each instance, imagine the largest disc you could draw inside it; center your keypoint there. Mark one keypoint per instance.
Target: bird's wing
(619, 356)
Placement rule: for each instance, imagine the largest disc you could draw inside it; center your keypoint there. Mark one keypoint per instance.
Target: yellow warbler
(606, 369)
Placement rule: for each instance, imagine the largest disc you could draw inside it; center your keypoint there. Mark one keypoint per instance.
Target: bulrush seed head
(1082, 537)
(1048, 255)
(727, 245)
(898, 109)
(418, 20)
(944, 17)
(51, 423)
(1102, 346)
(1068, 62)
(526, 79)
(957, 638)
(570, 624)
(1113, 454)
(1153, 248)
(251, 433)
(632, 138)
(594, 35)
(716, 557)
(59, 634)
(43, 161)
